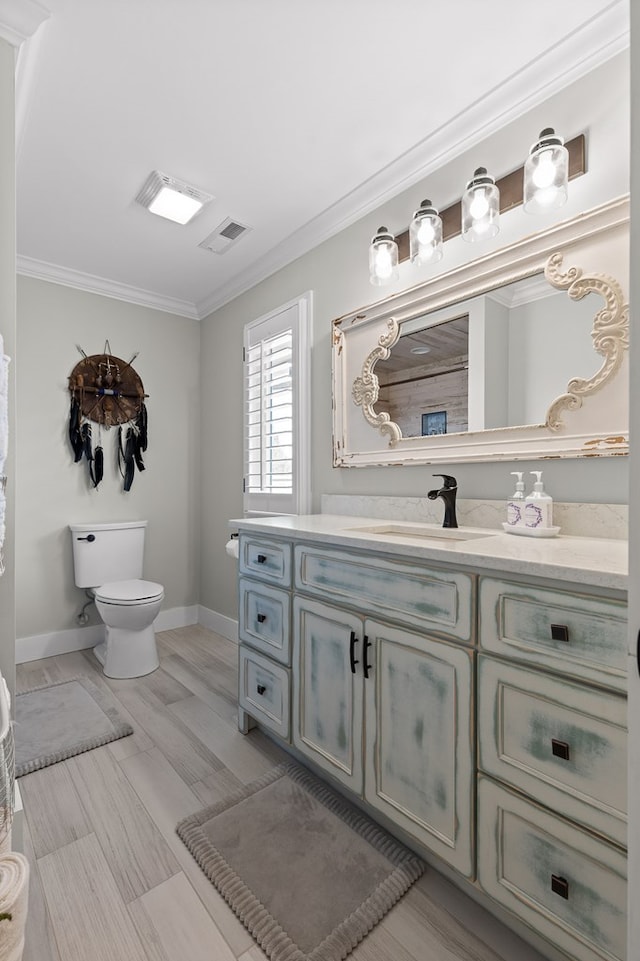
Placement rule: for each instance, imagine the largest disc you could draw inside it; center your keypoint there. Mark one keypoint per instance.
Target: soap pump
(515, 506)
(538, 508)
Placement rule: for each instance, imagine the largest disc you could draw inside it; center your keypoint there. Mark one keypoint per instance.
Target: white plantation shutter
(276, 413)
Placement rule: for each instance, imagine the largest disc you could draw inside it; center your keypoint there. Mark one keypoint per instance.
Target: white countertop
(597, 562)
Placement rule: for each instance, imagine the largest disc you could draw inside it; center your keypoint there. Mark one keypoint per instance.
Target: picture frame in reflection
(435, 422)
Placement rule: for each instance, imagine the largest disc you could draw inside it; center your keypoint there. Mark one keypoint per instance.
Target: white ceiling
(299, 116)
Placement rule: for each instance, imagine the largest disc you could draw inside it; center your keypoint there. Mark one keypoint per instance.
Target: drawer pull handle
(261, 558)
(352, 652)
(261, 689)
(560, 632)
(560, 886)
(560, 749)
(366, 644)
(261, 618)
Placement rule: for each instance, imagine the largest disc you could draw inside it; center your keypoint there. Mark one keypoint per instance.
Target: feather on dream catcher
(107, 392)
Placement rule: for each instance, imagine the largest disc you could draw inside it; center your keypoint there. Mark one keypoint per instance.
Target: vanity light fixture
(540, 184)
(383, 258)
(171, 198)
(546, 173)
(480, 207)
(425, 235)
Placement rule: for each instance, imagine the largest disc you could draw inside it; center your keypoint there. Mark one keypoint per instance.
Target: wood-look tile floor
(110, 879)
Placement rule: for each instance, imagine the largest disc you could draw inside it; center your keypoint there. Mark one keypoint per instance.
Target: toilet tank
(107, 552)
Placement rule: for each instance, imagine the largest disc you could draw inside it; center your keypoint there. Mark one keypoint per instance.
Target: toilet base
(125, 653)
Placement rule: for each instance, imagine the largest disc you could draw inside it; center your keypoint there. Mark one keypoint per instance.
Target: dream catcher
(107, 392)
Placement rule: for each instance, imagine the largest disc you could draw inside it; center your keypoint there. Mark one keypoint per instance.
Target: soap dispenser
(515, 505)
(538, 506)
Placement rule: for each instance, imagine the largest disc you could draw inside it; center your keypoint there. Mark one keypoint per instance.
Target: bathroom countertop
(596, 562)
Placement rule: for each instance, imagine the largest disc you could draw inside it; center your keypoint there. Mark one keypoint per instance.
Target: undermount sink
(423, 532)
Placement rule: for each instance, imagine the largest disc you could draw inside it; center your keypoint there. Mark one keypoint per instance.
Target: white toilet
(107, 559)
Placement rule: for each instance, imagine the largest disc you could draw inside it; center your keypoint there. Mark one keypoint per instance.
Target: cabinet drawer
(563, 882)
(436, 601)
(264, 619)
(564, 744)
(264, 691)
(577, 635)
(268, 560)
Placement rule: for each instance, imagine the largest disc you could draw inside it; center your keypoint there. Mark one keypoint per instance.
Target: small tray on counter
(531, 531)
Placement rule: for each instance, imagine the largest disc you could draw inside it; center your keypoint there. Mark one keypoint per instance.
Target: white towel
(7, 769)
(4, 405)
(14, 900)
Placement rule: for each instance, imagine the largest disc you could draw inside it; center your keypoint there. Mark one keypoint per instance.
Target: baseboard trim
(57, 642)
(80, 638)
(226, 626)
(177, 617)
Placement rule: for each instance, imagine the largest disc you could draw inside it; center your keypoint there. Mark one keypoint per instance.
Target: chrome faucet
(448, 494)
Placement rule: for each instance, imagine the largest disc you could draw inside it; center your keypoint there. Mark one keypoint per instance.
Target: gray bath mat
(59, 720)
(307, 874)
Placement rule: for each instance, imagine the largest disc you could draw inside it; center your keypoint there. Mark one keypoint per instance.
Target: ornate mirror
(519, 355)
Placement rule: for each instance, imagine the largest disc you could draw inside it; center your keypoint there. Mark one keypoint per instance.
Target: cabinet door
(419, 750)
(327, 710)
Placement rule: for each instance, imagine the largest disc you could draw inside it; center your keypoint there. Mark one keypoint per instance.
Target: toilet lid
(128, 591)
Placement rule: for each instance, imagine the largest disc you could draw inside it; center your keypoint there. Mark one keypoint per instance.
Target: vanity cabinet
(388, 712)
(264, 632)
(383, 688)
(552, 759)
(484, 716)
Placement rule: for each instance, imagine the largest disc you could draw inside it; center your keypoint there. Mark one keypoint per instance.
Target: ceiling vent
(224, 236)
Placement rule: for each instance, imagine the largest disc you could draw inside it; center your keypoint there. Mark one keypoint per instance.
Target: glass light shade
(480, 207)
(546, 174)
(383, 258)
(425, 235)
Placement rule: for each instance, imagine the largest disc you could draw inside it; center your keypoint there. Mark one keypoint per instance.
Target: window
(277, 410)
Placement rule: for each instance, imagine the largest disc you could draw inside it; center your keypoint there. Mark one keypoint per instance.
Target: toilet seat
(129, 593)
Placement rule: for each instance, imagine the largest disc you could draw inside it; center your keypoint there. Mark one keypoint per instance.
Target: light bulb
(479, 205)
(545, 172)
(426, 233)
(384, 266)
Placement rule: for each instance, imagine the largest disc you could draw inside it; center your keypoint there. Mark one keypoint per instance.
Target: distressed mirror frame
(588, 255)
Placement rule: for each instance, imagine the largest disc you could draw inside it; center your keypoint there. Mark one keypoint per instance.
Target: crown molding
(19, 19)
(40, 270)
(587, 48)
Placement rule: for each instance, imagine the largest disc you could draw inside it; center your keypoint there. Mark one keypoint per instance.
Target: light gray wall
(8, 331)
(549, 342)
(336, 271)
(53, 491)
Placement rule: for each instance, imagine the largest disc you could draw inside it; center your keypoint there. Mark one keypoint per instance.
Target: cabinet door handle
(560, 749)
(559, 632)
(352, 652)
(366, 644)
(261, 558)
(260, 689)
(261, 618)
(560, 886)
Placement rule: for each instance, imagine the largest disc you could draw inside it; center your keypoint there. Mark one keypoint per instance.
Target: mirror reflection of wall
(498, 360)
(427, 373)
